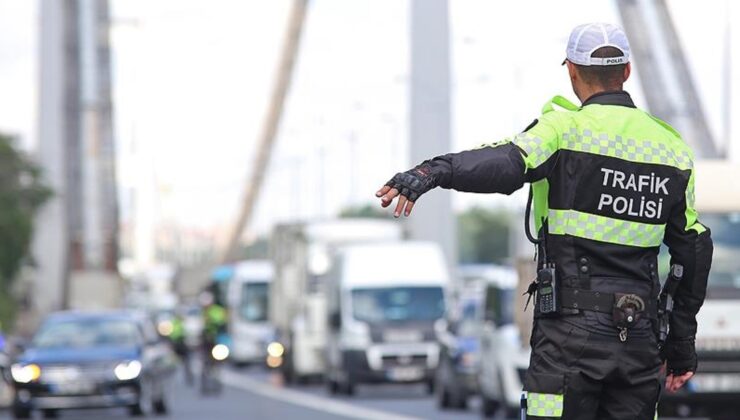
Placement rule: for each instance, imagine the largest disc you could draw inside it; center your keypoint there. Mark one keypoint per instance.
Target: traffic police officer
(610, 184)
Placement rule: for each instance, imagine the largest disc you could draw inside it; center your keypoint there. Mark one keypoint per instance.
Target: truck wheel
(50, 413)
(348, 389)
(461, 400)
(443, 397)
(21, 412)
(332, 386)
(489, 407)
(430, 387)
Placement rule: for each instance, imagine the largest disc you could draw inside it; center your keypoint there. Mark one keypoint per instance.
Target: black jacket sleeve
(491, 169)
(501, 167)
(690, 245)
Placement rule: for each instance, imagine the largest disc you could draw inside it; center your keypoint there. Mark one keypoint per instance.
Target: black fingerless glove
(680, 356)
(415, 182)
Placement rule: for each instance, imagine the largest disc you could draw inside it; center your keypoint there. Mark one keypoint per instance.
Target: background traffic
(188, 226)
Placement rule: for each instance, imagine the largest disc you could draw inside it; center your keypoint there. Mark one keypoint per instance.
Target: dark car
(93, 360)
(456, 378)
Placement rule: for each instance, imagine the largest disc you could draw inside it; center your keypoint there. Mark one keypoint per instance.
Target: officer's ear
(627, 71)
(572, 71)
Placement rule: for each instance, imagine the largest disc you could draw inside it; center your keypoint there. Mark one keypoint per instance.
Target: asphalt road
(255, 394)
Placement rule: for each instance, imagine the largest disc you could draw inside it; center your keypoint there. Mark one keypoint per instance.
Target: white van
(248, 301)
(302, 254)
(384, 299)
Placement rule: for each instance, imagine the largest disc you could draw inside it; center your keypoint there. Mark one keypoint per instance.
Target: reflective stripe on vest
(641, 151)
(544, 405)
(604, 229)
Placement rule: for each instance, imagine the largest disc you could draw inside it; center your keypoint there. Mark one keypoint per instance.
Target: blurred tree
(21, 194)
(367, 210)
(483, 235)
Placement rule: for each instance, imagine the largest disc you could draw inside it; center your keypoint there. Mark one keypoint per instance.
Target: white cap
(585, 39)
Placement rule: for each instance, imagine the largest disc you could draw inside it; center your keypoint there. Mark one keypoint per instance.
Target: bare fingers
(409, 207)
(400, 205)
(674, 383)
(387, 198)
(383, 190)
(387, 194)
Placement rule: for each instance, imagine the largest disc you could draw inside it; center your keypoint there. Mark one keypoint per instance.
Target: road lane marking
(314, 402)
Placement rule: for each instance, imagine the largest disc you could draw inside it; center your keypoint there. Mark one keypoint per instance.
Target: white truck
(301, 254)
(248, 303)
(384, 299)
(714, 391)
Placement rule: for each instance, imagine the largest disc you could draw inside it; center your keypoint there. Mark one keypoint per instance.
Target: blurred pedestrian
(179, 344)
(214, 328)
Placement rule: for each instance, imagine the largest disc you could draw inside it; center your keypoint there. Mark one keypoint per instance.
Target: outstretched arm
(501, 167)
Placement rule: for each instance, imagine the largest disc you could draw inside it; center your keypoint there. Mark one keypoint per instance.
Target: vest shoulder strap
(561, 102)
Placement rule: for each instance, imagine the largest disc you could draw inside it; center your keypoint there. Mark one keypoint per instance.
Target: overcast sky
(192, 80)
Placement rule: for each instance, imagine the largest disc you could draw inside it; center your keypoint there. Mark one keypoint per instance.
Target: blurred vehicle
(301, 254)
(504, 357)
(458, 336)
(248, 305)
(87, 360)
(714, 391)
(381, 317)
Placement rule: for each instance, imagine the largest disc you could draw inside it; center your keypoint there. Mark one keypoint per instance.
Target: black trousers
(579, 369)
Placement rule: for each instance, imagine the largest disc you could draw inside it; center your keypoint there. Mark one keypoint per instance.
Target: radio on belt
(546, 290)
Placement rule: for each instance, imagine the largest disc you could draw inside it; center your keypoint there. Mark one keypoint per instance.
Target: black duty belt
(590, 300)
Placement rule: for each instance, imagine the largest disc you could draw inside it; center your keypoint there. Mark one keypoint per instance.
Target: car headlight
(125, 371)
(275, 352)
(275, 349)
(165, 328)
(25, 373)
(220, 352)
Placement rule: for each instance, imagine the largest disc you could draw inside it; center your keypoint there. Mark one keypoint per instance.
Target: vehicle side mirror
(335, 320)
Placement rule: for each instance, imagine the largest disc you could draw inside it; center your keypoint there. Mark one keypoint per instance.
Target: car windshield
(253, 303)
(397, 304)
(87, 333)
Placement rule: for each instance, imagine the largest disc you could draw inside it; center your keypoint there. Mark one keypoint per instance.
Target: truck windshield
(253, 303)
(724, 277)
(725, 273)
(397, 304)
